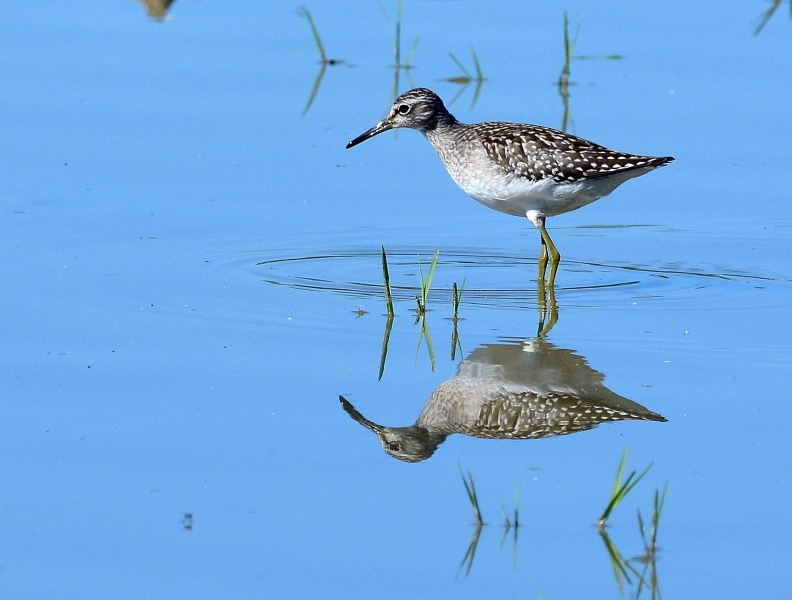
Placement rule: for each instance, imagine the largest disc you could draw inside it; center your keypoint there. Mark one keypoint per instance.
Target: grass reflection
(425, 335)
(470, 555)
(455, 341)
(622, 568)
(563, 78)
(627, 570)
(508, 525)
(768, 14)
(324, 62)
(466, 79)
(395, 26)
(650, 546)
(385, 340)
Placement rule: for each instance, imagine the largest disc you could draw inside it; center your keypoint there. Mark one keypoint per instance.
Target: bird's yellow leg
(542, 262)
(555, 256)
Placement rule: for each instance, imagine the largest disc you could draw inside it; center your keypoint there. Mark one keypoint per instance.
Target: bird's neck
(441, 123)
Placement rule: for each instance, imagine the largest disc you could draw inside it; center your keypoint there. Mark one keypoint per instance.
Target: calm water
(192, 277)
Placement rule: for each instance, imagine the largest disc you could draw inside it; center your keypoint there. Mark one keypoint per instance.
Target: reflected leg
(547, 308)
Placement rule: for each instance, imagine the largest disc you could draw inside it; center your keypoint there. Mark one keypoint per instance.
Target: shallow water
(193, 277)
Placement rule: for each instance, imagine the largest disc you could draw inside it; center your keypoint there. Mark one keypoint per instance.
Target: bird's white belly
(518, 195)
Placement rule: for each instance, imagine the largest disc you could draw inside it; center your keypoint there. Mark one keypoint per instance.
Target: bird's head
(419, 109)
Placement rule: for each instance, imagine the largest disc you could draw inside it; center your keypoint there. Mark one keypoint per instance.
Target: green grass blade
(620, 472)
(386, 277)
(629, 486)
(421, 298)
(620, 490)
(430, 276)
(470, 488)
(457, 297)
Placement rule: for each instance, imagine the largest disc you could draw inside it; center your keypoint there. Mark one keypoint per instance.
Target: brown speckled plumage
(535, 153)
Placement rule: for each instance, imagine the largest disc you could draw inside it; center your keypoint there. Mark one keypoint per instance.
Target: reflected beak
(378, 128)
(351, 410)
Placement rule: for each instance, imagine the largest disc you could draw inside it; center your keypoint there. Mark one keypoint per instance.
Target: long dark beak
(378, 128)
(352, 412)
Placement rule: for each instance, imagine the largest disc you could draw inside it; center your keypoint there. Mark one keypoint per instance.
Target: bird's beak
(378, 128)
(352, 412)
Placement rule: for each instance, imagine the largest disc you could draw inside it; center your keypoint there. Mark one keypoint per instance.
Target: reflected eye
(394, 446)
(404, 109)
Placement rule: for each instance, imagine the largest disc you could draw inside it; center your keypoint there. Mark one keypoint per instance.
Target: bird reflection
(520, 390)
(157, 9)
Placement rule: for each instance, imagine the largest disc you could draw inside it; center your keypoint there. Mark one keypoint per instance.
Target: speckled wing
(537, 153)
(528, 416)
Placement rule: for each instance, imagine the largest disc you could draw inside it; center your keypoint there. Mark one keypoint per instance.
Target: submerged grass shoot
(621, 489)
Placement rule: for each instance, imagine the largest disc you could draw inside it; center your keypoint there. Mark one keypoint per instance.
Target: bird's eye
(404, 109)
(394, 446)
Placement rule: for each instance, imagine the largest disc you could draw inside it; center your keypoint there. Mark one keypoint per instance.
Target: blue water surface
(192, 275)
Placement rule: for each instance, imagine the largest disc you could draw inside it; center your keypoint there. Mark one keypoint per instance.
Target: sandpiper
(518, 169)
